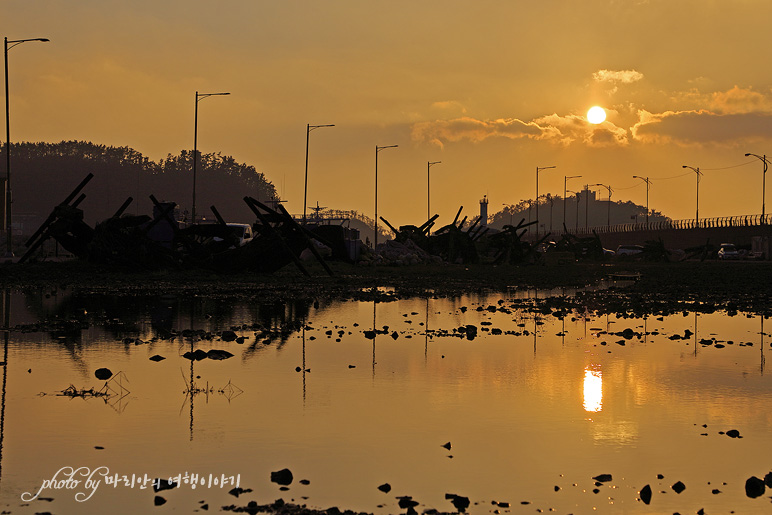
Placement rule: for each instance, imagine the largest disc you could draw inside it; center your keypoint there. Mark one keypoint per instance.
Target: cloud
(700, 127)
(560, 130)
(450, 105)
(738, 100)
(614, 76)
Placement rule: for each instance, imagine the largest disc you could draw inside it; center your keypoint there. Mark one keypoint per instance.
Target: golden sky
(492, 89)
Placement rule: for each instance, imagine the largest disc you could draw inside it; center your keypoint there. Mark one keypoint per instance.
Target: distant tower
(484, 211)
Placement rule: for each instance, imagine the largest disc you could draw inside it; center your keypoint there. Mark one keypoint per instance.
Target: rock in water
(282, 477)
(218, 355)
(157, 357)
(103, 374)
(228, 336)
(603, 478)
(754, 487)
(678, 487)
(385, 488)
(646, 494)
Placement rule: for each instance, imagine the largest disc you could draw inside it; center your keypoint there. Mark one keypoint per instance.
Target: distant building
(484, 211)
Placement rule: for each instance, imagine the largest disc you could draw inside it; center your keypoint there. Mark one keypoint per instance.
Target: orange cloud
(738, 100)
(701, 127)
(623, 76)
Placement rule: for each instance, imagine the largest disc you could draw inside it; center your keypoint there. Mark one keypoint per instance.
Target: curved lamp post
(309, 128)
(608, 214)
(9, 44)
(199, 97)
(698, 172)
(764, 160)
(377, 150)
(539, 169)
(648, 185)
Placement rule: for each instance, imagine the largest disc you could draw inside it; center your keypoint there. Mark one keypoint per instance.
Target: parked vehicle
(728, 251)
(629, 250)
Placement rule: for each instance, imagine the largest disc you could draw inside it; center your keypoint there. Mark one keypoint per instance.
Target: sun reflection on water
(593, 390)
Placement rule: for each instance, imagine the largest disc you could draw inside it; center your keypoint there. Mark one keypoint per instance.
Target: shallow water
(534, 406)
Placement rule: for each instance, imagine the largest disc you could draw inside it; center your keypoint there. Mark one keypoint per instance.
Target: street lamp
(763, 182)
(576, 195)
(565, 179)
(377, 150)
(428, 189)
(309, 128)
(511, 211)
(648, 185)
(608, 214)
(698, 172)
(539, 169)
(8, 236)
(199, 96)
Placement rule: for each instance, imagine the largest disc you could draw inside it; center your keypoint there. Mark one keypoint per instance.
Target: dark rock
(645, 494)
(385, 488)
(218, 355)
(228, 336)
(768, 479)
(754, 487)
(370, 335)
(407, 502)
(304, 482)
(157, 357)
(461, 503)
(447, 445)
(158, 501)
(471, 331)
(159, 485)
(235, 492)
(103, 374)
(282, 477)
(394, 335)
(733, 433)
(678, 487)
(603, 478)
(198, 355)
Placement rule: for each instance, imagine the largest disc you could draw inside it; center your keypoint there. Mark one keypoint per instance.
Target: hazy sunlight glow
(593, 391)
(596, 114)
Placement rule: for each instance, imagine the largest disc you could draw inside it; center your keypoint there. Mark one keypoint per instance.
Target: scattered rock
(218, 355)
(385, 488)
(157, 357)
(645, 494)
(159, 501)
(754, 487)
(228, 336)
(461, 503)
(733, 433)
(768, 479)
(447, 445)
(103, 374)
(235, 492)
(282, 477)
(603, 478)
(159, 485)
(407, 502)
(678, 487)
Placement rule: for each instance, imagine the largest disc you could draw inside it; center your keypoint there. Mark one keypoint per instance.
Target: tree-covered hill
(43, 174)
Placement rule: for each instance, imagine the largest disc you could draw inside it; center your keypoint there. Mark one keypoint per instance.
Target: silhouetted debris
(385, 488)
(282, 477)
(228, 336)
(157, 357)
(446, 445)
(407, 501)
(678, 487)
(103, 374)
(159, 501)
(159, 485)
(754, 487)
(603, 478)
(733, 433)
(645, 494)
(235, 492)
(218, 354)
(459, 502)
(768, 479)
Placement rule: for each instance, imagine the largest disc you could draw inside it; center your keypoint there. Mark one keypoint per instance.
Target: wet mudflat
(557, 400)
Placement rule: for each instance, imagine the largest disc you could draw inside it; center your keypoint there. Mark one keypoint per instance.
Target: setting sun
(596, 114)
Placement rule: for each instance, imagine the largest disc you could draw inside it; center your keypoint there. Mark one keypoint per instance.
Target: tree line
(43, 174)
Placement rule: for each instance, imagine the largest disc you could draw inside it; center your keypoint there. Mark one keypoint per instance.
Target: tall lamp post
(763, 183)
(648, 185)
(377, 150)
(309, 128)
(8, 231)
(565, 180)
(698, 172)
(428, 187)
(608, 213)
(539, 169)
(199, 97)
